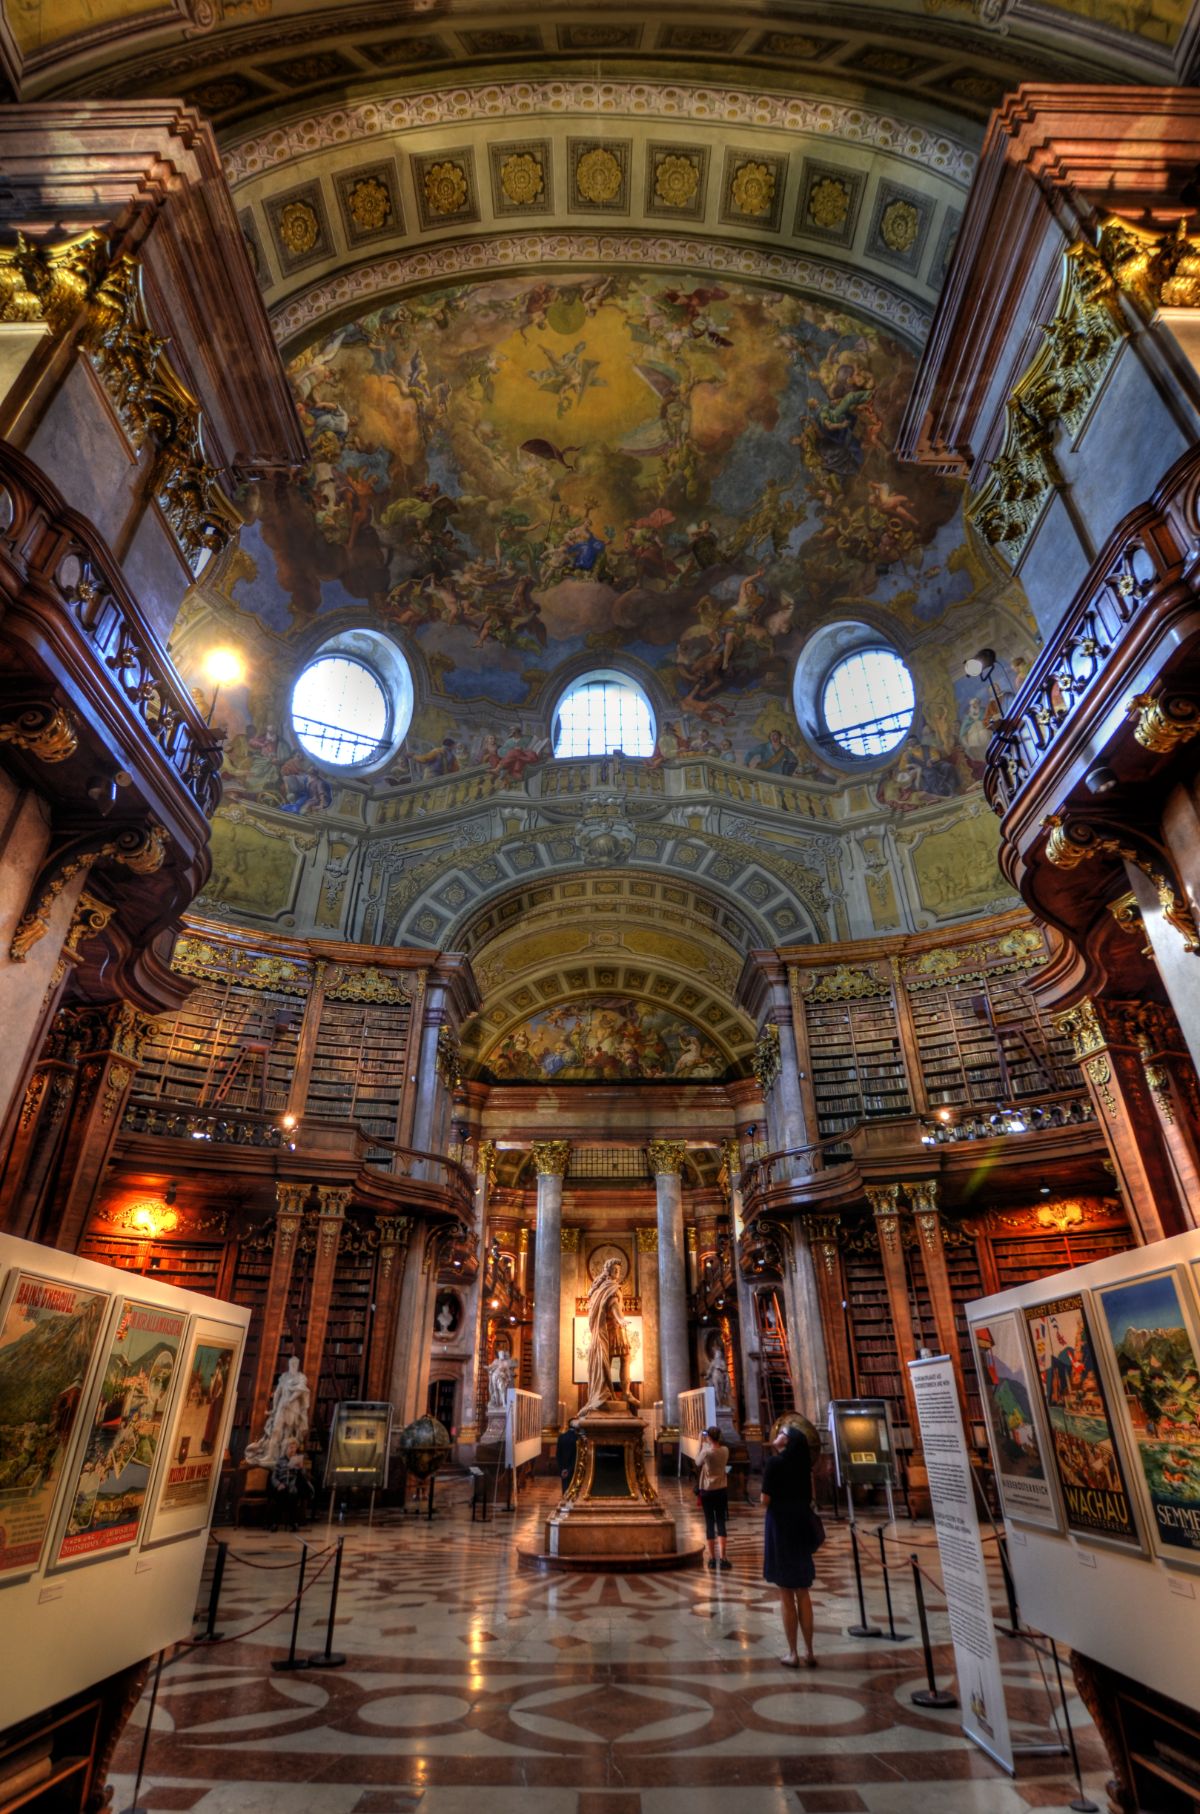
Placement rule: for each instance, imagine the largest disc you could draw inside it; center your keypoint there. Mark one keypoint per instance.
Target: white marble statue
(287, 1420)
(717, 1375)
(501, 1375)
(445, 1318)
(608, 1340)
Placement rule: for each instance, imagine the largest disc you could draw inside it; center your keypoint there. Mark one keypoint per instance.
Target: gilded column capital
(923, 1196)
(885, 1207)
(333, 1198)
(291, 1198)
(522, 1240)
(821, 1233)
(569, 1239)
(487, 1160)
(551, 1157)
(691, 1238)
(393, 1239)
(647, 1239)
(667, 1157)
(1081, 1024)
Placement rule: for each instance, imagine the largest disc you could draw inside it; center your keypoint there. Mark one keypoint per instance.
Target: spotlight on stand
(981, 667)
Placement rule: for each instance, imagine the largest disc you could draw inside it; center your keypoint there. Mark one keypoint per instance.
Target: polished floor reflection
(471, 1683)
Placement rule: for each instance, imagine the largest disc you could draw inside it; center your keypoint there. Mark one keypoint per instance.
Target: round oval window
(340, 711)
(867, 702)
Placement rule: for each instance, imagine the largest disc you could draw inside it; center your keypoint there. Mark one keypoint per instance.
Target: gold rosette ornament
(445, 188)
(676, 181)
(753, 189)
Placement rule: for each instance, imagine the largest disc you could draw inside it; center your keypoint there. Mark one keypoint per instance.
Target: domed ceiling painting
(521, 478)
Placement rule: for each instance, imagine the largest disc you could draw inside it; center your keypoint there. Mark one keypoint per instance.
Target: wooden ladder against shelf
(252, 1054)
(776, 1393)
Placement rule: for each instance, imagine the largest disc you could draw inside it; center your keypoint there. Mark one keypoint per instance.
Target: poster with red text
(134, 1393)
(203, 1409)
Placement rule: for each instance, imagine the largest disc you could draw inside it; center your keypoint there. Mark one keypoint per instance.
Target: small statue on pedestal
(287, 1420)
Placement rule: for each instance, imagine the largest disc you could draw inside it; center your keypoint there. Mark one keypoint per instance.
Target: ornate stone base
(611, 1516)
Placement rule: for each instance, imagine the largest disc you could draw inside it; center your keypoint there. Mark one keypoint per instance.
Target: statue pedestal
(611, 1517)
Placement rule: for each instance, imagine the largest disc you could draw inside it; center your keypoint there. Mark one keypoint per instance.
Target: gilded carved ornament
(647, 1239)
(569, 1239)
(1128, 915)
(847, 982)
(884, 1200)
(449, 1058)
(142, 851)
(1158, 1082)
(551, 1157)
(254, 969)
(88, 921)
(1163, 721)
(78, 288)
(50, 732)
(352, 982)
(766, 1061)
(1070, 843)
(1098, 1071)
(667, 1157)
(1081, 1025)
(486, 1165)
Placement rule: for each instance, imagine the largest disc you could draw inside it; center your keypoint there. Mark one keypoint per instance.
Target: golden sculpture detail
(551, 1157)
(1163, 721)
(522, 179)
(77, 288)
(49, 732)
(446, 188)
(598, 176)
(369, 204)
(752, 190)
(1070, 843)
(352, 982)
(256, 969)
(848, 982)
(299, 228)
(766, 1061)
(667, 1157)
(828, 202)
(1158, 270)
(676, 180)
(899, 226)
(141, 851)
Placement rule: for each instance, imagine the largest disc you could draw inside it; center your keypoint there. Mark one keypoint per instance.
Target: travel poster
(1160, 1386)
(1085, 1452)
(1006, 1381)
(126, 1431)
(49, 1333)
(197, 1441)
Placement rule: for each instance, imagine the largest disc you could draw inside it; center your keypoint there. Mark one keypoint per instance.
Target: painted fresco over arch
(604, 1038)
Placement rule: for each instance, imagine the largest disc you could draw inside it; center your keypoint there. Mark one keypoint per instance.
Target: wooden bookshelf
(250, 1280)
(190, 1267)
(1033, 1256)
(877, 1366)
(359, 1067)
(344, 1359)
(856, 1062)
(228, 1035)
(966, 1283)
(68, 1741)
(982, 1039)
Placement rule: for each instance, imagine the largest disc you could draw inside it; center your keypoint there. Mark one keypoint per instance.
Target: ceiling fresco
(605, 1039)
(522, 478)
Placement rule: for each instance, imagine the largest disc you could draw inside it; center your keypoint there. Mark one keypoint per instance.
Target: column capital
(647, 1239)
(923, 1196)
(569, 1239)
(551, 1157)
(666, 1157)
(332, 1199)
(821, 1233)
(883, 1198)
(487, 1160)
(290, 1200)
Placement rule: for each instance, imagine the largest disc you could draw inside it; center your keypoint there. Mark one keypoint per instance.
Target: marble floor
(473, 1683)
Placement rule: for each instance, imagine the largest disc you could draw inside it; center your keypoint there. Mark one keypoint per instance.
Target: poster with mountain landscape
(49, 1332)
(1018, 1439)
(1150, 1336)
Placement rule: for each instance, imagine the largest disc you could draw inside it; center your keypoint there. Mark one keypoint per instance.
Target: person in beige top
(712, 1462)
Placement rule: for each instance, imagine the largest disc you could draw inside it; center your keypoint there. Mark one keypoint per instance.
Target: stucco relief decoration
(445, 188)
(752, 189)
(829, 202)
(766, 1060)
(299, 227)
(899, 226)
(598, 176)
(522, 178)
(369, 204)
(676, 180)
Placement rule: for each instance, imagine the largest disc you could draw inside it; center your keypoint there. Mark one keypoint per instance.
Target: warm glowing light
(288, 1120)
(224, 667)
(151, 1217)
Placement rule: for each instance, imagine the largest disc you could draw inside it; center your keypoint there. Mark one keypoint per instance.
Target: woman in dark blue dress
(787, 1553)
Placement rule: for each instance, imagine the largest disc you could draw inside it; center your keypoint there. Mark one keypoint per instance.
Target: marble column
(550, 1159)
(473, 1389)
(810, 1366)
(666, 1162)
(747, 1326)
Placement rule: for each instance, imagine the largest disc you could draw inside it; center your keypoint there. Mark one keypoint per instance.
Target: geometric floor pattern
(473, 1684)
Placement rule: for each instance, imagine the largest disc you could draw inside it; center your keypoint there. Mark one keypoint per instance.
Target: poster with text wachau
(1094, 1493)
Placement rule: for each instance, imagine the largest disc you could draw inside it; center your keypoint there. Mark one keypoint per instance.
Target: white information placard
(964, 1571)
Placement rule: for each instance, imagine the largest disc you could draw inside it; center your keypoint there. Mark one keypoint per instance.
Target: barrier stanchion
(291, 1660)
(1081, 1804)
(210, 1634)
(891, 1634)
(329, 1658)
(933, 1696)
(862, 1629)
(1010, 1587)
(141, 1769)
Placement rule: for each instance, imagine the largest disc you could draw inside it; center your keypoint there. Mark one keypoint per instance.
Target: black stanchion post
(429, 1513)
(210, 1632)
(1081, 1804)
(141, 1769)
(862, 1629)
(893, 1636)
(329, 1658)
(1010, 1588)
(291, 1660)
(933, 1696)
